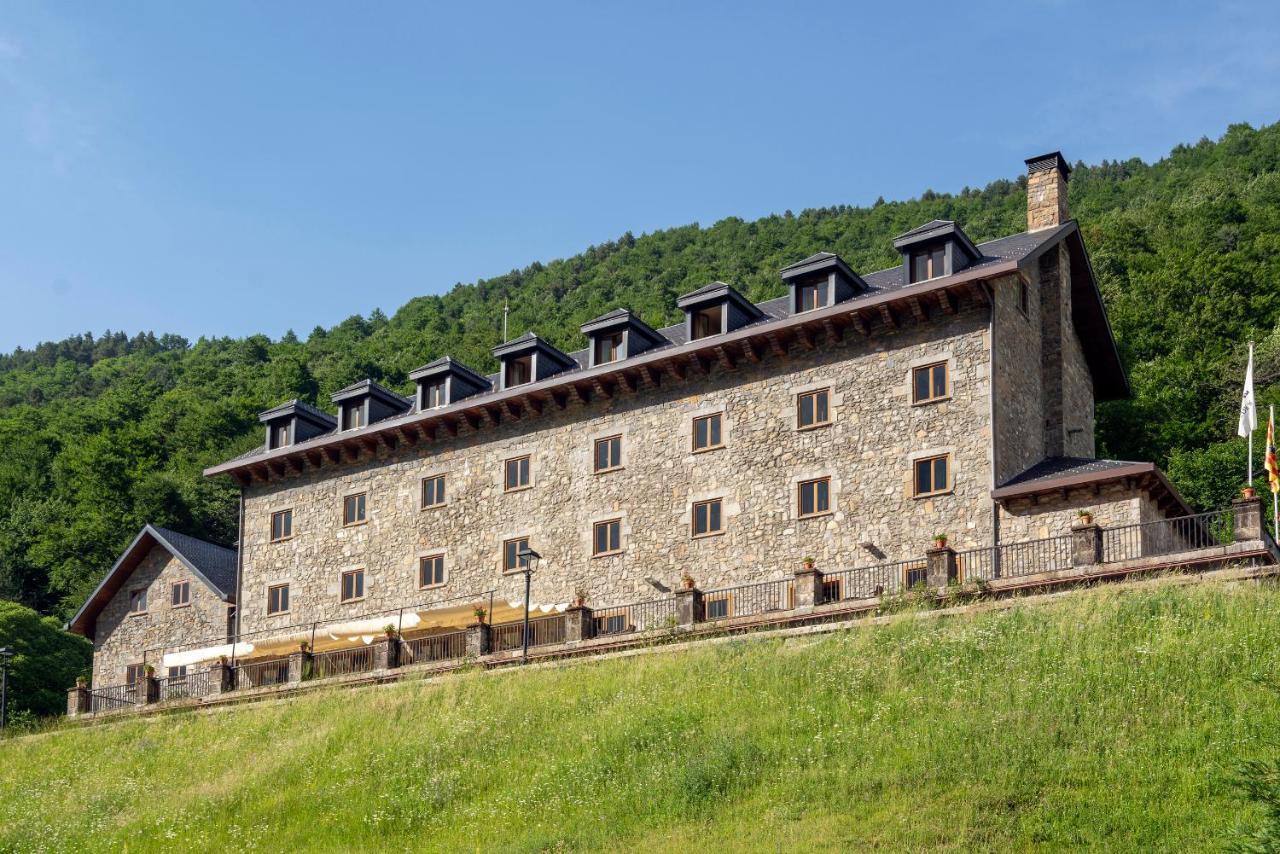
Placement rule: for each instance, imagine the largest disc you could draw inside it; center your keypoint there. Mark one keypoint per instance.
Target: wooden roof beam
(946, 301)
(835, 331)
(917, 309)
(777, 344)
(749, 351)
(726, 358)
(805, 336)
(859, 325)
(886, 314)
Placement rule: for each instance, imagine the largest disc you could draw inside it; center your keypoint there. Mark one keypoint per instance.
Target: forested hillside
(104, 434)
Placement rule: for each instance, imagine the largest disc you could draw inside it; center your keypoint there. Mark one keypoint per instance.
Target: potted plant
(939, 541)
(579, 598)
(1248, 492)
(304, 647)
(81, 682)
(149, 670)
(479, 613)
(687, 580)
(1085, 517)
(807, 562)
(390, 631)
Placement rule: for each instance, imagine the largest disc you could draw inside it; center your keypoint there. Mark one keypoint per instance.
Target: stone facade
(1046, 198)
(867, 450)
(122, 638)
(1113, 505)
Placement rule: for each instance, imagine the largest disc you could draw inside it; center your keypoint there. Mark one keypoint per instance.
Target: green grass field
(1107, 719)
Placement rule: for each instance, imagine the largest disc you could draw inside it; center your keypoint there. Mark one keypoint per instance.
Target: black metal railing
(439, 647)
(976, 564)
(881, 579)
(542, 631)
(1033, 556)
(258, 674)
(112, 697)
(747, 600)
(1168, 536)
(189, 685)
(636, 617)
(340, 662)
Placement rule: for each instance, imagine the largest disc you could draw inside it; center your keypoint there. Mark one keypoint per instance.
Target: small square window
(516, 474)
(608, 454)
(928, 264)
(814, 498)
(133, 673)
(916, 574)
(707, 432)
(433, 396)
(519, 370)
(433, 491)
(511, 560)
(281, 525)
(811, 296)
(180, 594)
(607, 538)
(280, 435)
(353, 416)
(278, 599)
(707, 518)
(352, 585)
(138, 601)
(929, 383)
(708, 321)
(608, 347)
(813, 408)
(431, 571)
(932, 475)
(177, 673)
(353, 509)
(718, 608)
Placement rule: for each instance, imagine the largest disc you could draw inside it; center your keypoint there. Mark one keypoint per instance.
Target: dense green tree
(46, 660)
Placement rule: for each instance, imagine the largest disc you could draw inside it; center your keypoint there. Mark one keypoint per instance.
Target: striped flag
(1273, 468)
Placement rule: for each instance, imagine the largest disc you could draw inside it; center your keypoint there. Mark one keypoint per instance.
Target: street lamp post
(5, 655)
(529, 560)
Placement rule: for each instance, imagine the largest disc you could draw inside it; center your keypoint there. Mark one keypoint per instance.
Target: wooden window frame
(595, 537)
(931, 458)
(820, 291)
(186, 599)
(939, 252)
(717, 599)
(138, 595)
(801, 396)
(508, 370)
(288, 597)
(920, 569)
(518, 568)
(693, 439)
(280, 436)
(693, 519)
(353, 412)
(595, 454)
(357, 573)
(444, 491)
(134, 673)
(280, 514)
(444, 571)
(430, 388)
(528, 474)
(800, 485)
(720, 310)
(608, 337)
(364, 517)
(946, 383)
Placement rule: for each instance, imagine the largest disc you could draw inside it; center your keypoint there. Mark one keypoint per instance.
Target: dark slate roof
(298, 407)
(373, 389)
(1052, 160)
(812, 259)
(1055, 468)
(1055, 473)
(446, 365)
(929, 226)
(213, 564)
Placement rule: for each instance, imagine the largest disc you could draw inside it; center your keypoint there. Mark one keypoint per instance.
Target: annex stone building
(853, 419)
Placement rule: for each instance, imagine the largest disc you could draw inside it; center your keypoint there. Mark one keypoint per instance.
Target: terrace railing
(440, 647)
(881, 579)
(1167, 536)
(542, 631)
(1033, 556)
(748, 600)
(112, 697)
(341, 662)
(636, 617)
(191, 685)
(257, 674)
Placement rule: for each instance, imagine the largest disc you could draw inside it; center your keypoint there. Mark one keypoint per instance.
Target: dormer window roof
(445, 381)
(293, 422)
(618, 335)
(529, 359)
(364, 403)
(715, 309)
(937, 248)
(823, 279)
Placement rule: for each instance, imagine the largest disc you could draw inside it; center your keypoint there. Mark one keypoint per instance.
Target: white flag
(1248, 412)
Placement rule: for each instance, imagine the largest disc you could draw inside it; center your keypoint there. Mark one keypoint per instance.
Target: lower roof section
(1059, 474)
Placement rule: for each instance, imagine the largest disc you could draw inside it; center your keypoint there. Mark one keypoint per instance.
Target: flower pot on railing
(1248, 492)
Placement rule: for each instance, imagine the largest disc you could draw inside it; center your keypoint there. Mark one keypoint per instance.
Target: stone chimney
(1047, 191)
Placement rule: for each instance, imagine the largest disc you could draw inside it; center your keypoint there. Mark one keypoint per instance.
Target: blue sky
(228, 168)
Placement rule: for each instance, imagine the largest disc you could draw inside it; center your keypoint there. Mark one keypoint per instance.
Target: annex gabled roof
(822, 262)
(1055, 474)
(213, 564)
(373, 389)
(447, 365)
(937, 229)
(301, 409)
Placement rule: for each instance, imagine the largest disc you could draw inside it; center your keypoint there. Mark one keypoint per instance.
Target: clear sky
(224, 168)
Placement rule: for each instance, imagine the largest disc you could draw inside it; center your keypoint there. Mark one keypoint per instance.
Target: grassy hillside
(103, 434)
(1106, 719)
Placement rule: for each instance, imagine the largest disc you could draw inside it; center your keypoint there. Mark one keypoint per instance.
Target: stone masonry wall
(1018, 406)
(1046, 199)
(1077, 381)
(121, 638)
(1053, 516)
(866, 451)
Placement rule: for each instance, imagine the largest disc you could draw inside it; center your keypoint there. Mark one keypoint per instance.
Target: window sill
(708, 449)
(931, 400)
(180, 607)
(922, 495)
(351, 601)
(434, 506)
(517, 571)
(433, 586)
(613, 553)
(506, 491)
(138, 613)
(608, 470)
(281, 540)
(706, 535)
(822, 515)
(355, 524)
(818, 426)
(277, 614)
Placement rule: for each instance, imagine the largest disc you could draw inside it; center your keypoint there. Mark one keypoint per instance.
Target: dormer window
(618, 335)
(823, 279)
(608, 347)
(294, 422)
(529, 359)
(279, 436)
(519, 370)
(809, 297)
(353, 416)
(433, 394)
(708, 321)
(445, 381)
(928, 264)
(364, 403)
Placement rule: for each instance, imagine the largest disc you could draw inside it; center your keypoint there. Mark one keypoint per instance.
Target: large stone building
(850, 420)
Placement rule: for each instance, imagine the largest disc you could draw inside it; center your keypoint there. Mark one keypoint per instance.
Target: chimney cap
(1052, 160)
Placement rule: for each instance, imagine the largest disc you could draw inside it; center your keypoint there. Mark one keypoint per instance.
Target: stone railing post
(146, 690)
(1086, 544)
(689, 608)
(808, 587)
(386, 653)
(219, 679)
(578, 625)
(1247, 513)
(477, 640)
(78, 701)
(299, 666)
(940, 566)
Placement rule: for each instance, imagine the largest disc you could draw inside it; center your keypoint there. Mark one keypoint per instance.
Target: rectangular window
(814, 497)
(932, 475)
(433, 491)
(519, 370)
(608, 537)
(281, 525)
(608, 347)
(813, 408)
(278, 599)
(706, 432)
(433, 395)
(832, 590)
(352, 416)
(809, 297)
(516, 474)
(280, 436)
(133, 673)
(706, 518)
(916, 574)
(927, 265)
(1024, 298)
(353, 509)
(180, 594)
(608, 453)
(138, 601)
(718, 608)
(929, 383)
(179, 672)
(352, 585)
(511, 549)
(708, 321)
(431, 571)
(612, 624)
